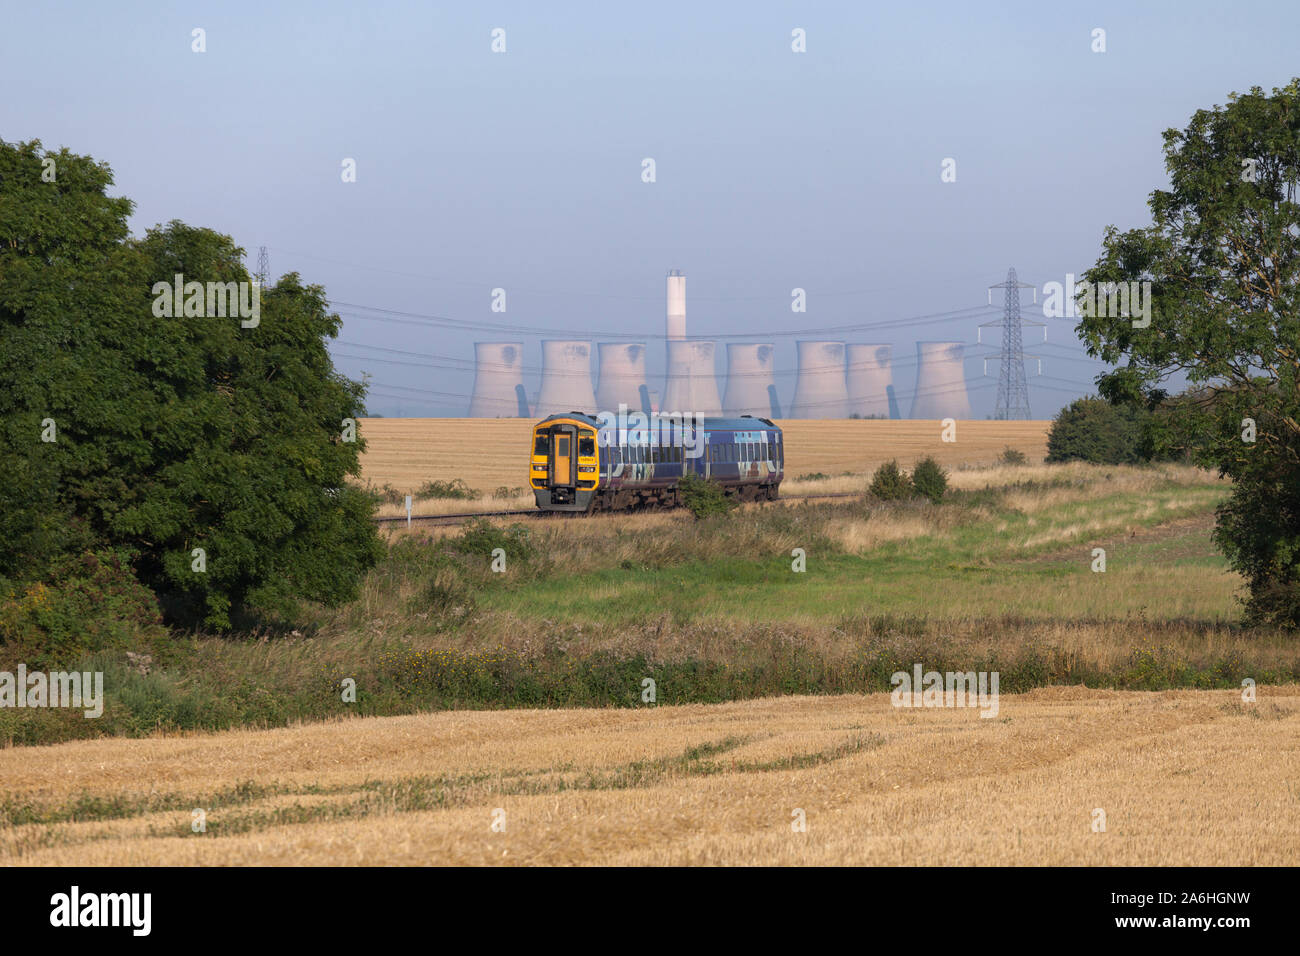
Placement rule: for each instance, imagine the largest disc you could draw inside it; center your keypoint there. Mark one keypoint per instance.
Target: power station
(498, 380)
(940, 381)
(566, 378)
(622, 377)
(821, 390)
(751, 383)
(869, 380)
(832, 379)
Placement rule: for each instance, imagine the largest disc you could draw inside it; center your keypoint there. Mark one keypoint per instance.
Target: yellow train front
(580, 464)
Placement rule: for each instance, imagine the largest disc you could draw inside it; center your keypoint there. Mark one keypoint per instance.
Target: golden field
(1184, 777)
(490, 452)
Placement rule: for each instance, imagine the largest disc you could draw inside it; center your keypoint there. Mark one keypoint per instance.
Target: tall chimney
(940, 381)
(869, 377)
(676, 305)
(749, 376)
(566, 378)
(820, 390)
(498, 374)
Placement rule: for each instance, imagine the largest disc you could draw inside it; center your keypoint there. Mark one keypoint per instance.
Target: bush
(1094, 430)
(1011, 456)
(929, 479)
(891, 483)
(482, 537)
(703, 497)
(390, 495)
(87, 603)
(812, 476)
(456, 488)
(505, 492)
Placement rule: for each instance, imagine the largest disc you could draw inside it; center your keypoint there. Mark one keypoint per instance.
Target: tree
(173, 433)
(1092, 429)
(1222, 256)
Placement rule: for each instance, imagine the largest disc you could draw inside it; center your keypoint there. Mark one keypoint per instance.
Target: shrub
(505, 491)
(890, 483)
(456, 488)
(812, 476)
(929, 479)
(1010, 456)
(703, 497)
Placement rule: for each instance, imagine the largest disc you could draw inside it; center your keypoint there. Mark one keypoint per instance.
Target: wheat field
(1182, 778)
(490, 452)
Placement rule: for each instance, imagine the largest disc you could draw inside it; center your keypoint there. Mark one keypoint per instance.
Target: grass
(997, 577)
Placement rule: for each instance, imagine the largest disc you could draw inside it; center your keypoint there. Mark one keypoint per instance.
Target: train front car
(565, 469)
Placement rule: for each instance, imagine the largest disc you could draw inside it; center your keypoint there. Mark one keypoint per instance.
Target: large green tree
(1222, 254)
(172, 433)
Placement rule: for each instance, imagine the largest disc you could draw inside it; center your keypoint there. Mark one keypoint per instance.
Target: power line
(442, 321)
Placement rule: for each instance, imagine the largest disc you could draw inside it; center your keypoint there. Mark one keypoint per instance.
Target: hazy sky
(522, 170)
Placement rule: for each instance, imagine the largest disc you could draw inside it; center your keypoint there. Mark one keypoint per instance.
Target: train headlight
(587, 469)
(539, 467)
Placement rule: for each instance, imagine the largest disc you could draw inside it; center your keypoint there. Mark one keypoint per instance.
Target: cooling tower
(676, 305)
(498, 375)
(940, 381)
(692, 383)
(820, 391)
(868, 379)
(749, 375)
(622, 376)
(566, 379)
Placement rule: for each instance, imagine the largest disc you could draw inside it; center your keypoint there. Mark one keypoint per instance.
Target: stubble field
(1182, 777)
(487, 453)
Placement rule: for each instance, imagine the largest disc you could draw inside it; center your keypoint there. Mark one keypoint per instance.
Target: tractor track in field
(534, 513)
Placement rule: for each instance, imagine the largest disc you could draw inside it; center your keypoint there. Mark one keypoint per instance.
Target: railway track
(534, 513)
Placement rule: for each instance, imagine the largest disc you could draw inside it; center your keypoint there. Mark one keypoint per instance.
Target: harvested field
(1183, 777)
(490, 452)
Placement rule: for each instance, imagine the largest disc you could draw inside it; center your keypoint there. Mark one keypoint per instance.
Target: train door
(563, 456)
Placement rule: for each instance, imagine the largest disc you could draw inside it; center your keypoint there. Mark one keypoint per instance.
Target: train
(581, 463)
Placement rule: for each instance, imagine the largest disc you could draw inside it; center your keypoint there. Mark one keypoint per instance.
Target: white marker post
(408, 511)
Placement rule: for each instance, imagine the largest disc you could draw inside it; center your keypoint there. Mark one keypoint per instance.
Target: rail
(457, 516)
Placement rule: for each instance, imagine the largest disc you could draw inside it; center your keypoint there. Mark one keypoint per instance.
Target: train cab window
(586, 446)
(542, 444)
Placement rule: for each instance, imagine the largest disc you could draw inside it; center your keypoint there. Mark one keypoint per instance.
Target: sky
(523, 170)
